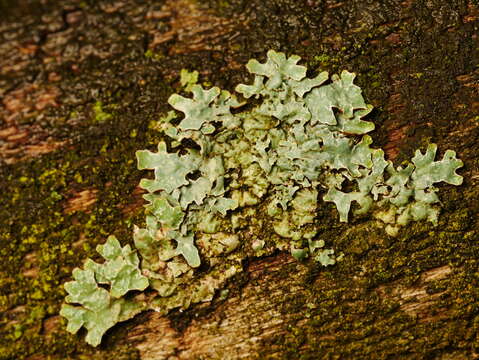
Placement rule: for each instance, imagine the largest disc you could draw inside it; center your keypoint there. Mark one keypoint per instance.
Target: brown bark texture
(80, 82)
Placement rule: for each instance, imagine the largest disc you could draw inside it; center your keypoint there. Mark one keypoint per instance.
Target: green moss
(99, 114)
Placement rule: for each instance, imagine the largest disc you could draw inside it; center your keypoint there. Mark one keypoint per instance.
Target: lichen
(226, 164)
(101, 308)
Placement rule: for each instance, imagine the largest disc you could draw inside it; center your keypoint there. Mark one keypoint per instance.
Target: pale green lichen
(99, 309)
(413, 196)
(232, 184)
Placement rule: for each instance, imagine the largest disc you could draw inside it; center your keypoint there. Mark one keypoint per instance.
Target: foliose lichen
(99, 308)
(236, 180)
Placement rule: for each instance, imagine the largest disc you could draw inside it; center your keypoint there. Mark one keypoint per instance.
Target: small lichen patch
(101, 308)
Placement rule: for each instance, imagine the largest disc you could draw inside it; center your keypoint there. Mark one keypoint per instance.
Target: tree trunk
(80, 82)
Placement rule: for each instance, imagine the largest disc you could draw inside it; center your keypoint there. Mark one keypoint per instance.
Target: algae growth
(236, 180)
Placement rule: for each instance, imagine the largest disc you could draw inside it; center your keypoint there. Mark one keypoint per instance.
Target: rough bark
(81, 80)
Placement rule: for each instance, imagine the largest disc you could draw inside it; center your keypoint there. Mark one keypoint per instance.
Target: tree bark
(80, 82)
